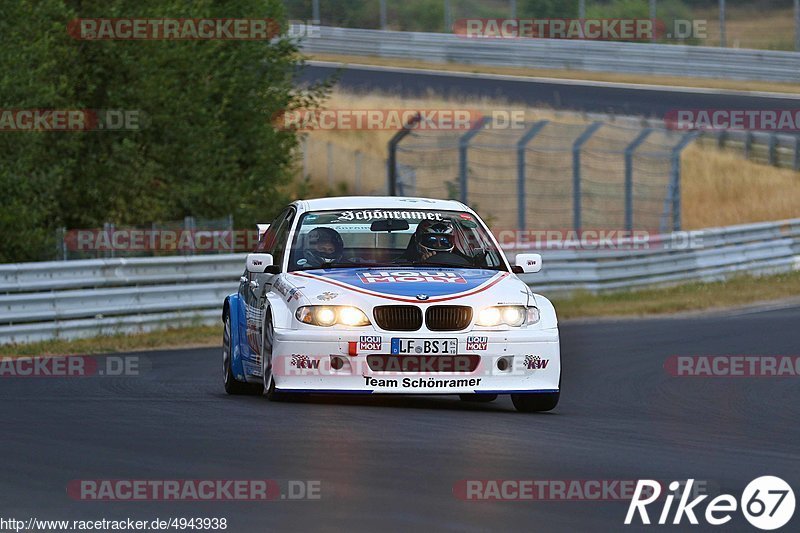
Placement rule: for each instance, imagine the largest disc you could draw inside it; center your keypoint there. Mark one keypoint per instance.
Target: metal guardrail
(85, 298)
(71, 299)
(598, 56)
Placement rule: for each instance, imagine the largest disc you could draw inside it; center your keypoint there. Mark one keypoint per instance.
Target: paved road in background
(390, 464)
(574, 95)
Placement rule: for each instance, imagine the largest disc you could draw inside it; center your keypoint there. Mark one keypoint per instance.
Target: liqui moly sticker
(477, 343)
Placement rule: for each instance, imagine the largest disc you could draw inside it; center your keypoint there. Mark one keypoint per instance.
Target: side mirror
(529, 263)
(258, 263)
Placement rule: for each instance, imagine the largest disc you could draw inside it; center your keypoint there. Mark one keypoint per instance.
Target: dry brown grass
(719, 187)
(751, 27)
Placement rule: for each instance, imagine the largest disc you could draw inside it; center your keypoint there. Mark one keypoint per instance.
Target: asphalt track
(390, 463)
(576, 95)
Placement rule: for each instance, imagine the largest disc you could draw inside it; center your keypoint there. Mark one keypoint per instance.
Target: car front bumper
(526, 360)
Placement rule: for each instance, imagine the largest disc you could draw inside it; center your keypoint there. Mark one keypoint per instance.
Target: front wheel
(266, 365)
(232, 386)
(535, 402)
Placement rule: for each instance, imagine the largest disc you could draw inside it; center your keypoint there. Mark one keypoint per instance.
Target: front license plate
(424, 346)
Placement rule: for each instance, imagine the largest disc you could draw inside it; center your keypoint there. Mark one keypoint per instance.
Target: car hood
(428, 285)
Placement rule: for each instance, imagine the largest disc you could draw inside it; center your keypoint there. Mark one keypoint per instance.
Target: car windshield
(388, 238)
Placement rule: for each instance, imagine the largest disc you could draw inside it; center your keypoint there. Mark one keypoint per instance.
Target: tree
(206, 145)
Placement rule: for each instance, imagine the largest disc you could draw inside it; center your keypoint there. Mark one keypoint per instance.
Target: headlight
(328, 315)
(509, 315)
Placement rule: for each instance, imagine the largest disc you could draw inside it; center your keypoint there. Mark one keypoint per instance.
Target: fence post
(61, 236)
(391, 162)
(772, 149)
(674, 197)
(189, 225)
(357, 185)
(383, 18)
(631, 148)
(748, 141)
(463, 146)
(722, 136)
(329, 149)
(304, 143)
(576, 173)
(796, 153)
(521, 144)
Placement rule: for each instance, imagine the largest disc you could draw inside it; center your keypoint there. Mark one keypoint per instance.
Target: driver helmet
(323, 246)
(435, 236)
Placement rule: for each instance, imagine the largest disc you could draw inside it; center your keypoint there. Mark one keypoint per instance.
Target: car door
(254, 287)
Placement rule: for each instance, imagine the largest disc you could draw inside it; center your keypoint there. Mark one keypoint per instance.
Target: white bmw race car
(389, 295)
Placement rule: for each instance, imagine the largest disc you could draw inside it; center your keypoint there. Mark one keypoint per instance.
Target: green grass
(196, 336)
(734, 292)
(737, 291)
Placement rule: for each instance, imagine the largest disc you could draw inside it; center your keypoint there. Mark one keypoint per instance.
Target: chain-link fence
(343, 169)
(549, 175)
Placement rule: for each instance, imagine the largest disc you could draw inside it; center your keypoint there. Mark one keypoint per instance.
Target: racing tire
(232, 386)
(478, 398)
(268, 387)
(535, 402)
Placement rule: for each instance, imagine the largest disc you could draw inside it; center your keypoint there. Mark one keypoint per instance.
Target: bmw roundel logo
(422, 296)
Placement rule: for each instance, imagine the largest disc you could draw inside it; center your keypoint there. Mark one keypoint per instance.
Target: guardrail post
(631, 148)
(391, 163)
(673, 200)
(772, 149)
(463, 146)
(521, 144)
(576, 173)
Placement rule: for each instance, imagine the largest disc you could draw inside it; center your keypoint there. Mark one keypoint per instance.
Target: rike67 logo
(410, 277)
(767, 503)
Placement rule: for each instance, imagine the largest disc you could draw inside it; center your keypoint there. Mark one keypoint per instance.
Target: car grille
(448, 317)
(423, 363)
(398, 317)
